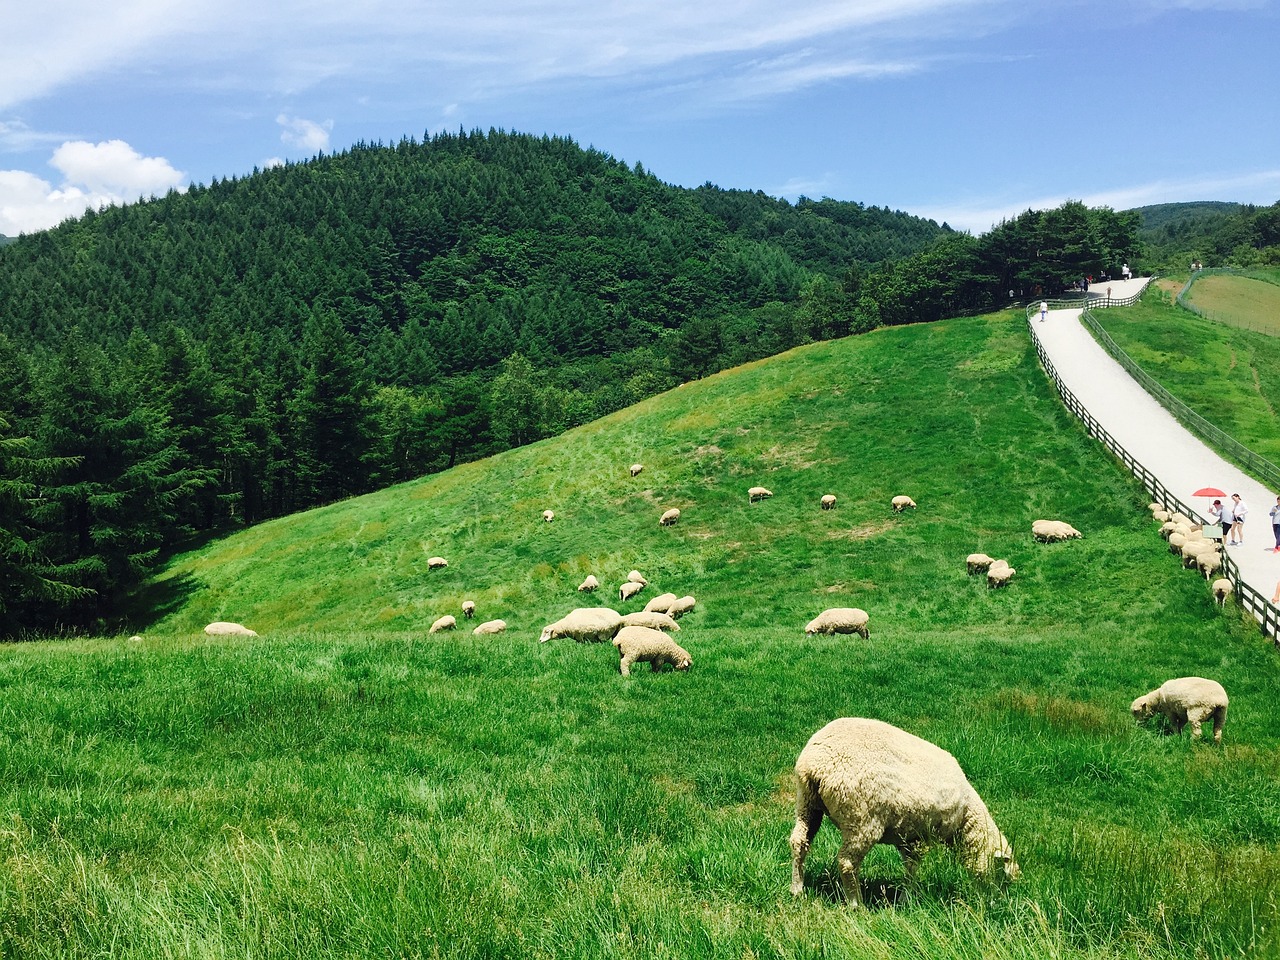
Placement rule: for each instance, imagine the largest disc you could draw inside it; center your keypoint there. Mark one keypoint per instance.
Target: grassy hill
(345, 785)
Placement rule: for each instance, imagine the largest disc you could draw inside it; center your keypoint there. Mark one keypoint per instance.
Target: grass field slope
(346, 785)
(1248, 302)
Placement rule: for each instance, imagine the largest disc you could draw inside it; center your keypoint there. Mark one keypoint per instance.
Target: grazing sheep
(1176, 542)
(548, 515)
(629, 590)
(585, 624)
(999, 574)
(490, 627)
(635, 576)
(1180, 517)
(447, 622)
(1192, 550)
(901, 503)
(681, 607)
(1155, 506)
(1052, 531)
(840, 620)
(1222, 589)
(880, 784)
(643, 644)
(978, 563)
(669, 518)
(660, 603)
(434, 563)
(589, 585)
(828, 501)
(1167, 528)
(1209, 563)
(758, 493)
(221, 628)
(651, 619)
(1186, 699)
(1160, 516)
(468, 608)
(636, 468)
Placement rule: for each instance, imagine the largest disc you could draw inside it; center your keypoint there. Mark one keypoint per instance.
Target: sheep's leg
(808, 819)
(1219, 718)
(857, 841)
(1196, 716)
(625, 665)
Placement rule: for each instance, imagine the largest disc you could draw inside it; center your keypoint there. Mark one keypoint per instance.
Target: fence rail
(1267, 614)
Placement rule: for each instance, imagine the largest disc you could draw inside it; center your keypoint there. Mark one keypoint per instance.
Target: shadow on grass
(876, 894)
(156, 600)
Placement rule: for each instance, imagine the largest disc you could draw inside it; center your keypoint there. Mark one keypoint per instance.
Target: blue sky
(960, 110)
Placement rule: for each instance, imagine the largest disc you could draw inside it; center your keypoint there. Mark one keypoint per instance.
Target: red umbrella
(1209, 492)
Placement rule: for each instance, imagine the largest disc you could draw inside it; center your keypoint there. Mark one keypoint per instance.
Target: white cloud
(94, 175)
(305, 134)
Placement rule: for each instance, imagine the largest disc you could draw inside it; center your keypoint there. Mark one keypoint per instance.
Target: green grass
(1229, 375)
(1239, 302)
(346, 786)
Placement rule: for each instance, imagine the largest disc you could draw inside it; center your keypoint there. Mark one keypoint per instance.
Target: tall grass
(346, 786)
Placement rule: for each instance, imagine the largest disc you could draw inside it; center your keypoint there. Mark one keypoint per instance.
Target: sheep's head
(1141, 708)
(547, 633)
(684, 663)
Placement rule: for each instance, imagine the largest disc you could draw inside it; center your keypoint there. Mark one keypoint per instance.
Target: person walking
(1239, 510)
(1275, 524)
(1044, 308)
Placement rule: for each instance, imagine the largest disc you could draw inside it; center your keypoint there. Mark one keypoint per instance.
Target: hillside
(1215, 234)
(347, 785)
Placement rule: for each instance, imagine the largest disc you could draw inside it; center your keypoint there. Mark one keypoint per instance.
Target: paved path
(1151, 434)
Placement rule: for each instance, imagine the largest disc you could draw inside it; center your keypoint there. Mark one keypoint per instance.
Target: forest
(1174, 235)
(313, 331)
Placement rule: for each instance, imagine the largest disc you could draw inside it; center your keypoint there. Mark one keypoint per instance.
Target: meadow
(344, 785)
(1228, 374)
(1239, 301)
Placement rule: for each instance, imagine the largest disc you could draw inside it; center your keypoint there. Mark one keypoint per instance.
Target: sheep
(585, 625)
(669, 518)
(490, 627)
(1160, 516)
(880, 784)
(999, 574)
(1176, 542)
(828, 501)
(1051, 531)
(636, 468)
(1153, 506)
(548, 515)
(629, 590)
(1192, 550)
(635, 576)
(1179, 517)
(660, 603)
(468, 608)
(1209, 563)
(447, 622)
(1186, 699)
(1167, 529)
(1222, 589)
(901, 503)
(755, 494)
(589, 585)
(221, 628)
(435, 563)
(681, 607)
(840, 620)
(644, 644)
(651, 619)
(978, 563)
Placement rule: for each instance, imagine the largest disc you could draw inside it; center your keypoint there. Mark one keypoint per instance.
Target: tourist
(1238, 512)
(1275, 524)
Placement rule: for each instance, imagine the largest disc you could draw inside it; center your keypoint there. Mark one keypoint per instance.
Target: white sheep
(643, 644)
(661, 603)
(635, 576)
(1222, 589)
(828, 501)
(880, 784)
(629, 590)
(1160, 516)
(1052, 531)
(548, 515)
(221, 628)
(1186, 700)
(1209, 563)
(681, 607)
(978, 563)
(636, 468)
(585, 624)
(490, 627)
(447, 622)
(840, 620)
(756, 494)
(435, 563)
(1167, 528)
(1176, 541)
(669, 518)
(999, 574)
(1182, 518)
(468, 608)
(651, 619)
(1192, 550)
(901, 503)
(589, 585)
(1155, 506)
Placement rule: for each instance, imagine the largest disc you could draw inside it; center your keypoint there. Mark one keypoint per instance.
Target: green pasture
(1247, 302)
(345, 785)
(1227, 374)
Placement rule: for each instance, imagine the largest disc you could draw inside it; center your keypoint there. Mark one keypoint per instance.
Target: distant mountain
(4, 240)
(1172, 216)
(1213, 232)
